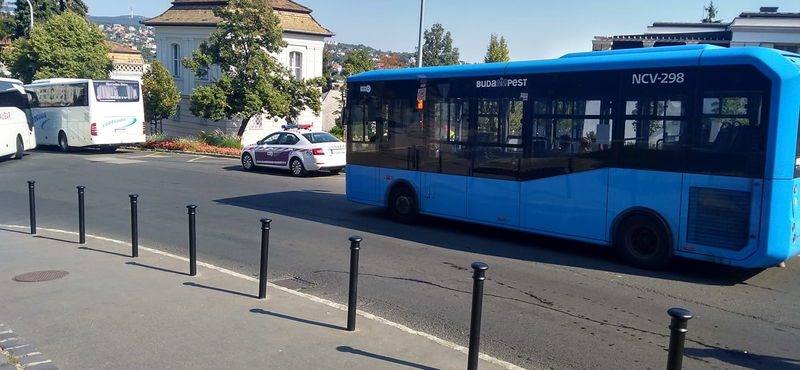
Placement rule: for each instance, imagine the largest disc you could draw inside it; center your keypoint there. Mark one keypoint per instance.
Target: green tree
(160, 94)
(438, 49)
(252, 81)
(327, 70)
(43, 10)
(497, 50)
(65, 46)
(711, 13)
(358, 61)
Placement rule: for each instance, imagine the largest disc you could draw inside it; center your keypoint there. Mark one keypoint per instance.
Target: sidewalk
(115, 312)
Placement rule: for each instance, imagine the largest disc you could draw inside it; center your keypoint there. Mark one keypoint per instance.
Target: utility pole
(31, 8)
(421, 29)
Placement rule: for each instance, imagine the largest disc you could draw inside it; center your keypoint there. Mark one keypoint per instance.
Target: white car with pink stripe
(298, 150)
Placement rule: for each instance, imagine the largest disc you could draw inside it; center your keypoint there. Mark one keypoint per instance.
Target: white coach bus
(71, 112)
(16, 126)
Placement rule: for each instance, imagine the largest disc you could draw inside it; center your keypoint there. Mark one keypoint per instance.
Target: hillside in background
(124, 20)
(339, 52)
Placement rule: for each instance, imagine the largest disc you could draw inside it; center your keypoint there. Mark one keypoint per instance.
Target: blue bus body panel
(362, 184)
(573, 205)
(720, 230)
(493, 201)
(780, 212)
(444, 195)
(388, 177)
(430, 72)
(656, 191)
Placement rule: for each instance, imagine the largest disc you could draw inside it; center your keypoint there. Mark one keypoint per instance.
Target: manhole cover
(293, 283)
(37, 276)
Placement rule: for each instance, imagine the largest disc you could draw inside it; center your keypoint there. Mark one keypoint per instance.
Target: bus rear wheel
(403, 205)
(20, 148)
(643, 241)
(63, 143)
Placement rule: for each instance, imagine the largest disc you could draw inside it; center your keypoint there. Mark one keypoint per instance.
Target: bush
(220, 139)
(337, 131)
(156, 137)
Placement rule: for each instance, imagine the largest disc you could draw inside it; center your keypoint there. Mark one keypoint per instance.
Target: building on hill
(766, 28)
(180, 30)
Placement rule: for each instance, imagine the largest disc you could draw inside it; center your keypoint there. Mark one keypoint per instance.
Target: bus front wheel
(63, 144)
(403, 205)
(643, 241)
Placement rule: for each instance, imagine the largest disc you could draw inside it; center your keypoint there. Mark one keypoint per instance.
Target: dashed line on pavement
(198, 158)
(442, 342)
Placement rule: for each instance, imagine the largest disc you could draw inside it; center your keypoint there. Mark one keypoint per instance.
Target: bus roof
(7, 84)
(770, 61)
(63, 80)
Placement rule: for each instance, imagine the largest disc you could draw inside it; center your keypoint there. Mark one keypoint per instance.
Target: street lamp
(421, 29)
(31, 8)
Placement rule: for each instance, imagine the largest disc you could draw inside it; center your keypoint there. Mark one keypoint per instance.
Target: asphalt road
(549, 303)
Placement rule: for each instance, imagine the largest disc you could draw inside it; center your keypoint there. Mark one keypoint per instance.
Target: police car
(298, 149)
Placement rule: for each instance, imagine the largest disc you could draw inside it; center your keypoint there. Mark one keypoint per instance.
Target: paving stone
(8, 336)
(45, 366)
(22, 351)
(11, 343)
(7, 367)
(31, 359)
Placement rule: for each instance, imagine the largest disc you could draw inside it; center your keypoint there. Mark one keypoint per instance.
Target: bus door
(445, 158)
(723, 184)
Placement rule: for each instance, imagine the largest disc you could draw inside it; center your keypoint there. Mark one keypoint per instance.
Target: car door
(264, 151)
(284, 149)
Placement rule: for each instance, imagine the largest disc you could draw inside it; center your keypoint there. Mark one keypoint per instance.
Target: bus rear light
(144, 128)
(793, 238)
(795, 189)
(93, 128)
(317, 151)
(792, 227)
(688, 248)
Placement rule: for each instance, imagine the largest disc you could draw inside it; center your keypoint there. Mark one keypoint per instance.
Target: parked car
(297, 149)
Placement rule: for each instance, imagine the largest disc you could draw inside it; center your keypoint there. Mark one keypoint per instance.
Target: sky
(533, 29)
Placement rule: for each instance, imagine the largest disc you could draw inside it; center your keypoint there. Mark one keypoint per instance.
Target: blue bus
(688, 151)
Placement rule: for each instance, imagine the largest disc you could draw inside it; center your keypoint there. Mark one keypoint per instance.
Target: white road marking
(112, 160)
(194, 159)
(326, 302)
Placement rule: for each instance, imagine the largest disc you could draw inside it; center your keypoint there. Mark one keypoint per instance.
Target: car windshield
(320, 137)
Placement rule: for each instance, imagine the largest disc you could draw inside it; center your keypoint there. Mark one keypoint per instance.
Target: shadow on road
(744, 359)
(334, 209)
(383, 358)
(219, 289)
(279, 172)
(304, 321)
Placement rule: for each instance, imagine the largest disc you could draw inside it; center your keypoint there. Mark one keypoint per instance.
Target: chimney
(768, 9)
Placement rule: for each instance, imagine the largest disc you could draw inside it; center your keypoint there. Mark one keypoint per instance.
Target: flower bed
(159, 142)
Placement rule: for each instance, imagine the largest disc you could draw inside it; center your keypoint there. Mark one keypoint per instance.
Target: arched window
(296, 64)
(176, 60)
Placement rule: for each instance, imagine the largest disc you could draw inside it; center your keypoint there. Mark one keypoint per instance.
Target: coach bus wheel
(247, 162)
(403, 205)
(20, 148)
(297, 167)
(63, 144)
(643, 241)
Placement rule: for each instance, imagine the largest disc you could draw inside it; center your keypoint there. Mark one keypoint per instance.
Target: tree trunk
(243, 126)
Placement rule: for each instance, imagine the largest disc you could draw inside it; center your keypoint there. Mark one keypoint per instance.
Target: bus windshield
(113, 91)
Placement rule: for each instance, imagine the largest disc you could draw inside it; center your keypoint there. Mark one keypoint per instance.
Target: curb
(133, 148)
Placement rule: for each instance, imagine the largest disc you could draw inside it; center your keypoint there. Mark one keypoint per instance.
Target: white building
(181, 29)
(766, 28)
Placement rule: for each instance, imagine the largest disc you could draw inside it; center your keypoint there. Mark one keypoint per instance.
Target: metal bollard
(262, 282)
(677, 337)
(134, 225)
(192, 240)
(32, 202)
(355, 246)
(81, 215)
(479, 275)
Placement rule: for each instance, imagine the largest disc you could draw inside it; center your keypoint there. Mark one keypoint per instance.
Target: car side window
(272, 139)
(289, 139)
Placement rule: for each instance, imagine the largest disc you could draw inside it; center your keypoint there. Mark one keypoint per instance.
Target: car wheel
(296, 165)
(20, 148)
(63, 144)
(247, 162)
(335, 171)
(643, 241)
(403, 205)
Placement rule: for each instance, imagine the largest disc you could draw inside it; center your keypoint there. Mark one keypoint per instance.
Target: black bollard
(479, 275)
(32, 201)
(134, 225)
(355, 246)
(192, 240)
(81, 215)
(262, 281)
(677, 337)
